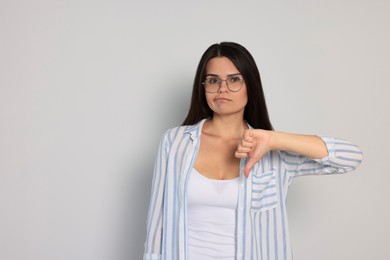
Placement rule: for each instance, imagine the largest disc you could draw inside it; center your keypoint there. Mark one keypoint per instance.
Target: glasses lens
(235, 83)
(212, 84)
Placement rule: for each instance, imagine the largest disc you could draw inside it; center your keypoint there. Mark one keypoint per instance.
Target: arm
(307, 145)
(155, 215)
(302, 154)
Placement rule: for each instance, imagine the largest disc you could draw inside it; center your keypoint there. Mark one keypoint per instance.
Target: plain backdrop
(88, 87)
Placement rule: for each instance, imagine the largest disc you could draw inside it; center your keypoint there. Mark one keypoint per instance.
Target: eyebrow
(229, 75)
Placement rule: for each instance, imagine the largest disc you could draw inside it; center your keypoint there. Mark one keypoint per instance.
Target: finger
(240, 155)
(246, 144)
(245, 149)
(248, 136)
(249, 165)
(254, 158)
(242, 152)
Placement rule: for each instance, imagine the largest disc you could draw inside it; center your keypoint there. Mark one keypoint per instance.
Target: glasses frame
(219, 82)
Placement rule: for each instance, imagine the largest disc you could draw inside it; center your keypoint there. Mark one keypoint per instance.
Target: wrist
(273, 140)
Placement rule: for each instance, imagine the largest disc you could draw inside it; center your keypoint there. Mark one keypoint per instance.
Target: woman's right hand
(255, 143)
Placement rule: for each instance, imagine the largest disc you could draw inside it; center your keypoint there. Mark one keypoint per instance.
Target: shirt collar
(195, 130)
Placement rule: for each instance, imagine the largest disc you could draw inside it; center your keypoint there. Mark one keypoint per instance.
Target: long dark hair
(255, 113)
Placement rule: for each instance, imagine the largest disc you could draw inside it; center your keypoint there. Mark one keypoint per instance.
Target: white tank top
(211, 218)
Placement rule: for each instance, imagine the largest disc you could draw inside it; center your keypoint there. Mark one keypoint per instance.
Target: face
(225, 102)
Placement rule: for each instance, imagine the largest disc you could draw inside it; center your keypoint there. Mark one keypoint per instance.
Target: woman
(221, 179)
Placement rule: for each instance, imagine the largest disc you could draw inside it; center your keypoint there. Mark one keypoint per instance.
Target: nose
(223, 87)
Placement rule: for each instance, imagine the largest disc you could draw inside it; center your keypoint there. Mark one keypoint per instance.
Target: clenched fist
(255, 143)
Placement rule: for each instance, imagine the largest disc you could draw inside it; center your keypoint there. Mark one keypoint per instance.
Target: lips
(222, 99)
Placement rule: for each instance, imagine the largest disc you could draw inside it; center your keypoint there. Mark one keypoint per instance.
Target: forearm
(301, 154)
(308, 145)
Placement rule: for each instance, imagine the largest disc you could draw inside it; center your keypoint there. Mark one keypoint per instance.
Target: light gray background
(88, 87)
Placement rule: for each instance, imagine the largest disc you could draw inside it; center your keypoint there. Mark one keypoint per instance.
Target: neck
(225, 127)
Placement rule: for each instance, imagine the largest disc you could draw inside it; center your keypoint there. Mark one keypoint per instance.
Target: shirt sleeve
(154, 223)
(343, 157)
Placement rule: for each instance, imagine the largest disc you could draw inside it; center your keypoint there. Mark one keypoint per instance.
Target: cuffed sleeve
(343, 157)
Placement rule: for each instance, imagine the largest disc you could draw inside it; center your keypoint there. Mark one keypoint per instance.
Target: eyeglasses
(233, 82)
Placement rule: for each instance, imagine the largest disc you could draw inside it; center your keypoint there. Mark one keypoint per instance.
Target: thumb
(248, 166)
(254, 157)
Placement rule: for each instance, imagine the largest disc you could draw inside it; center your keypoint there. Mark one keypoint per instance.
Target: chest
(216, 158)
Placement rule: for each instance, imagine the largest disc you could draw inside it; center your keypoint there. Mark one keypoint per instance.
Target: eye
(235, 79)
(212, 80)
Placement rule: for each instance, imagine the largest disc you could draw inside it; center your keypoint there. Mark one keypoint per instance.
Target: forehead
(221, 66)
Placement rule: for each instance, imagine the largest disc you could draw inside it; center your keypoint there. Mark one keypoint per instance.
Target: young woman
(221, 179)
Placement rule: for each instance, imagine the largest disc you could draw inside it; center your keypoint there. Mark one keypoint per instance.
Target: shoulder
(176, 133)
(179, 133)
(173, 132)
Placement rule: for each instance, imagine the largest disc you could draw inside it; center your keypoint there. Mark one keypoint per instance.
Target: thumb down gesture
(254, 144)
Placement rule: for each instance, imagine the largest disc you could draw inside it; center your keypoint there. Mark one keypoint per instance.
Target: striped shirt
(262, 226)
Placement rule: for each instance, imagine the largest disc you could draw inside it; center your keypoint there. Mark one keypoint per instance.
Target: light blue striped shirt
(262, 225)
